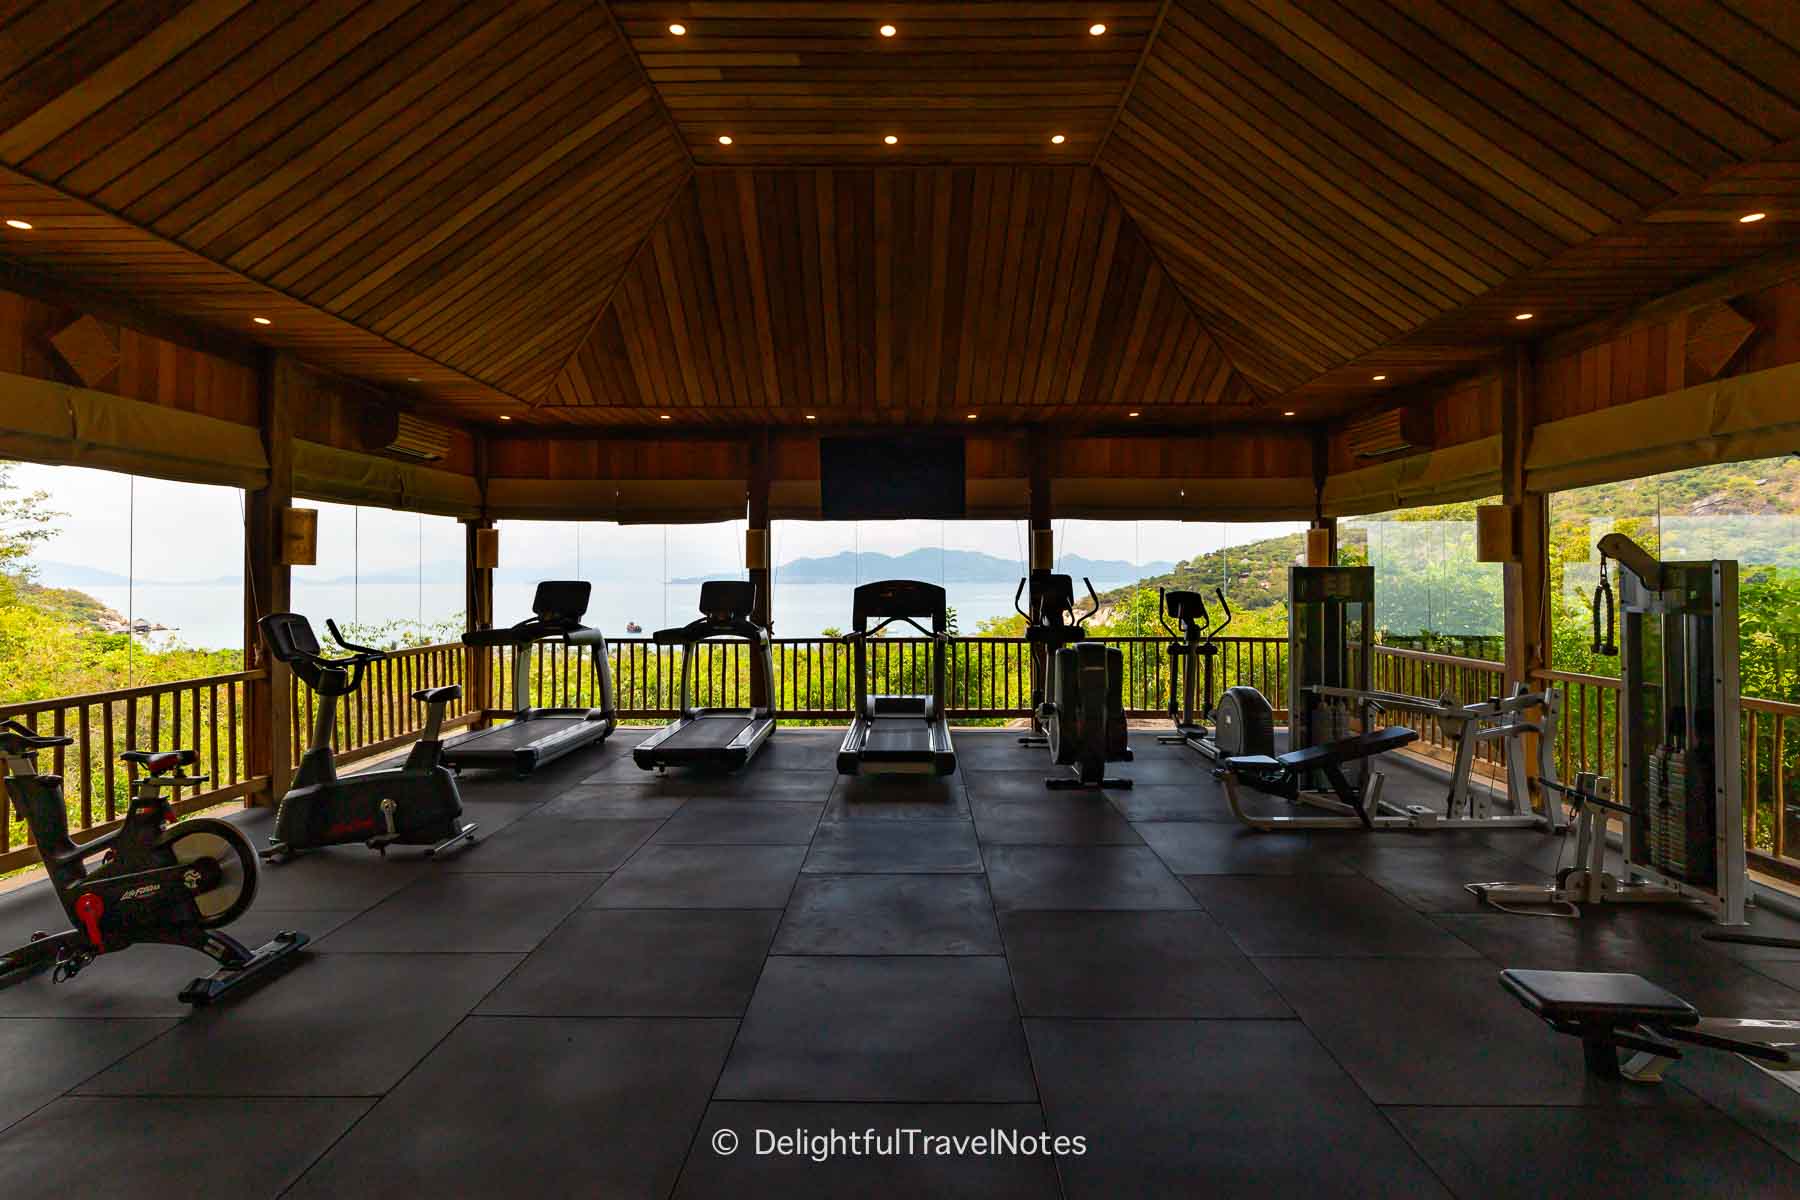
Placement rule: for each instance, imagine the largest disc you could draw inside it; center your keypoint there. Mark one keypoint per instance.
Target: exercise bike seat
(439, 695)
(1590, 998)
(158, 761)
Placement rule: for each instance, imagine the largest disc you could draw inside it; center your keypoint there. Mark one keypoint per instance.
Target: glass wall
(394, 578)
(645, 577)
(1747, 511)
(110, 580)
(1430, 592)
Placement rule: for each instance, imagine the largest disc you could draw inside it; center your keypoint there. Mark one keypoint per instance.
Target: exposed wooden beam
(1125, 96)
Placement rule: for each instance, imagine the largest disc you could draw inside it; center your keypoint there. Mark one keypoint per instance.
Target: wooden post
(268, 735)
(756, 552)
(1526, 596)
(1041, 554)
(478, 613)
(1321, 455)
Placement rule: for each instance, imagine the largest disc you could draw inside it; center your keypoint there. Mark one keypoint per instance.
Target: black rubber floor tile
(1115, 877)
(609, 802)
(336, 1025)
(1664, 951)
(465, 914)
(1760, 1103)
(703, 877)
(1529, 1153)
(1025, 782)
(889, 914)
(1433, 878)
(342, 877)
(799, 749)
(1132, 964)
(921, 1029)
(997, 750)
(193, 1148)
(1053, 819)
(1417, 1031)
(641, 963)
(1216, 848)
(706, 822)
(898, 798)
(1241, 1108)
(907, 1167)
(147, 980)
(535, 1106)
(895, 848)
(1319, 916)
(570, 847)
(45, 1058)
(1197, 801)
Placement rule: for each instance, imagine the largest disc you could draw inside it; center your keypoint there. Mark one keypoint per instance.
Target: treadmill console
(727, 599)
(562, 600)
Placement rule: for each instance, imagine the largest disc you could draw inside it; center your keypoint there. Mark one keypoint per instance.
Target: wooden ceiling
(880, 295)
(521, 207)
(818, 83)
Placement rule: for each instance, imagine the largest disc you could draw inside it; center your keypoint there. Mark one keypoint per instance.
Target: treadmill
(536, 736)
(720, 738)
(898, 735)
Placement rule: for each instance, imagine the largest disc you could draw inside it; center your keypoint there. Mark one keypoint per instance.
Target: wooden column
(1321, 449)
(1041, 549)
(478, 613)
(1527, 581)
(268, 732)
(757, 549)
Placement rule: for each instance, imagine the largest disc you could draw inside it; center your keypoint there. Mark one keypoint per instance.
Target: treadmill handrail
(704, 628)
(864, 634)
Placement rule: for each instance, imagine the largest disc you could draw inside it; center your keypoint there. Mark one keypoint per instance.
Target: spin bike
(1078, 707)
(177, 884)
(1243, 724)
(415, 804)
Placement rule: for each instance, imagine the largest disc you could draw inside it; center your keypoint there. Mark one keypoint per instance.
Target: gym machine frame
(1677, 642)
(1242, 723)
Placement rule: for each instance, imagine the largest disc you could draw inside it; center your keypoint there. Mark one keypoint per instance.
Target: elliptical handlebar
(1214, 631)
(1093, 603)
(1017, 592)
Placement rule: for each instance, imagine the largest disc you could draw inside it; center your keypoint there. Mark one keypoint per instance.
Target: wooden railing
(1435, 677)
(1589, 741)
(200, 714)
(986, 678)
(381, 714)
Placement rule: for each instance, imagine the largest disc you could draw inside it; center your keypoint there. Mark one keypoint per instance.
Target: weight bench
(1284, 775)
(1609, 1012)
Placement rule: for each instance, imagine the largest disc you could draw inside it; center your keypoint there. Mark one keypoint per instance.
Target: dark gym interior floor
(626, 965)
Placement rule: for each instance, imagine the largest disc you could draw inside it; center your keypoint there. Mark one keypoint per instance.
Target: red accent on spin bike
(89, 908)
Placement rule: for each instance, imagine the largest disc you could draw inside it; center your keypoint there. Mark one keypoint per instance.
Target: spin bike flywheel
(203, 837)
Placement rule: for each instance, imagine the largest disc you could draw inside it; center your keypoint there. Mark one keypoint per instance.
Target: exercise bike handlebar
(17, 739)
(369, 651)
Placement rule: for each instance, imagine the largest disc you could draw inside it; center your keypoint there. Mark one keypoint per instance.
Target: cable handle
(1603, 596)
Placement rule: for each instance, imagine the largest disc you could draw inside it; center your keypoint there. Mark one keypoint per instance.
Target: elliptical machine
(1243, 724)
(415, 804)
(156, 882)
(1078, 706)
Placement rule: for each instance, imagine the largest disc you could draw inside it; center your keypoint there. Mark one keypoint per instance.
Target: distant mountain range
(952, 566)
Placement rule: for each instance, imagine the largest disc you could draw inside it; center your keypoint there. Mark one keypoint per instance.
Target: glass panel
(1430, 592)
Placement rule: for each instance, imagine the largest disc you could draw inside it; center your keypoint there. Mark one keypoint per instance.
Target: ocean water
(211, 616)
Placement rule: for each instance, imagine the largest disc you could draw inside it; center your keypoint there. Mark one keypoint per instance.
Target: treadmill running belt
(706, 733)
(894, 738)
(518, 734)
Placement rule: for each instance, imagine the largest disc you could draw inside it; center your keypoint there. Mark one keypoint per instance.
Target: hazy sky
(189, 531)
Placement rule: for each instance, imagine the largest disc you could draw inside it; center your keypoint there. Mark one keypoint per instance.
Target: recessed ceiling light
(891, 140)
(262, 320)
(1746, 219)
(1524, 316)
(1057, 139)
(678, 30)
(412, 379)
(971, 416)
(1288, 413)
(888, 31)
(1378, 378)
(504, 417)
(18, 224)
(811, 417)
(1097, 29)
(724, 139)
(1131, 414)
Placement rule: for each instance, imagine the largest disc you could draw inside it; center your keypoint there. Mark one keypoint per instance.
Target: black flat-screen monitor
(891, 477)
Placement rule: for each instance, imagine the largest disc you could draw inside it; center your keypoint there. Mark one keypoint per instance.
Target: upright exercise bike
(415, 804)
(177, 884)
(1078, 706)
(1243, 724)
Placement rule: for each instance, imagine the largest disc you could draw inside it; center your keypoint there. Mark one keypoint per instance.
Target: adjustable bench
(1611, 1011)
(1285, 775)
